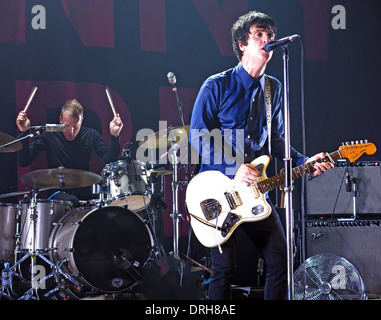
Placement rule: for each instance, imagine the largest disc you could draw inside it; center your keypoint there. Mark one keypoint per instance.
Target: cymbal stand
(176, 215)
(157, 203)
(33, 254)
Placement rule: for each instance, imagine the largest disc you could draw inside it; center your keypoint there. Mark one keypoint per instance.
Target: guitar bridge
(211, 208)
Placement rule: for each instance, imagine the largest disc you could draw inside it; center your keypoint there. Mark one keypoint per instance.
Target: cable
(302, 207)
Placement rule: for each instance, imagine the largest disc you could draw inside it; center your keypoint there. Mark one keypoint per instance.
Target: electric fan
(328, 277)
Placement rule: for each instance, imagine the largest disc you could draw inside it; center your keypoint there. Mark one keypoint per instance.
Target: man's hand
(116, 126)
(22, 121)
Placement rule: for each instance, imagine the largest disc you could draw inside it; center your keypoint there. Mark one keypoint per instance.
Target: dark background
(131, 45)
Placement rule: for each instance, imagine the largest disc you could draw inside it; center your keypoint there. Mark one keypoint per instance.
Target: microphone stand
(22, 137)
(179, 105)
(175, 189)
(288, 176)
(31, 135)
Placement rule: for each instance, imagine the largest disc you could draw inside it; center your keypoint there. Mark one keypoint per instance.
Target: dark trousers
(269, 238)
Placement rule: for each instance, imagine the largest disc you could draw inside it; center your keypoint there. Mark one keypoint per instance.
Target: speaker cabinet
(357, 241)
(330, 195)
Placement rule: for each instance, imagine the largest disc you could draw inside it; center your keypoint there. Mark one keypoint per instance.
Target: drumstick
(110, 100)
(33, 92)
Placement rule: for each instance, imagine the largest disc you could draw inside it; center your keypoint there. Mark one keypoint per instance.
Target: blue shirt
(227, 129)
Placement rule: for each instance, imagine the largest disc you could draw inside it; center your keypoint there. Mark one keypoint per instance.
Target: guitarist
(236, 100)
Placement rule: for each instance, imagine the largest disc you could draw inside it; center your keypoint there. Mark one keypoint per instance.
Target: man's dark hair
(241, 28)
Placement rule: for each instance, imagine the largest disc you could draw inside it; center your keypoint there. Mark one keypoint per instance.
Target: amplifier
(332, 193)
(357, 241)
(365, 163)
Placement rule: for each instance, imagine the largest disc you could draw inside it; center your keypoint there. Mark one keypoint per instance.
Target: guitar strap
(268, 111)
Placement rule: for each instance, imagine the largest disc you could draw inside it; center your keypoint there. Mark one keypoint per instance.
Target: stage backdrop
(77, 48)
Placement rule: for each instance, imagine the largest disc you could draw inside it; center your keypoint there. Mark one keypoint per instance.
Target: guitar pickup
(211, 208)
(233, 199)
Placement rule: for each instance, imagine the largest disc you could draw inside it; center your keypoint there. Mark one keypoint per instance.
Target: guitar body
(218, 205)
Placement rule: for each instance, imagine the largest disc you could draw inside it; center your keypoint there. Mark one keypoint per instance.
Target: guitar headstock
(354, 151)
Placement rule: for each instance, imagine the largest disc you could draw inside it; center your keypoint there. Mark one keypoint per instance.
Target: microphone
(52, 127)
(172, 80)
(280, 43)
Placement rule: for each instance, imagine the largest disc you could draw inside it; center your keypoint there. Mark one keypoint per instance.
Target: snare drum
(48, 212)
(127, 184)
(8, 224)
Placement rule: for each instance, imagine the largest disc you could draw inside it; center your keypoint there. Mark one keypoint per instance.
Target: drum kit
(53, 250)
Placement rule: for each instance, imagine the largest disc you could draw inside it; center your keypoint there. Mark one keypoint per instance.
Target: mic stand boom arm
(19, 139)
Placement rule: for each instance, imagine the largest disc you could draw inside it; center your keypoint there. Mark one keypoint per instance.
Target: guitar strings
(269, 183)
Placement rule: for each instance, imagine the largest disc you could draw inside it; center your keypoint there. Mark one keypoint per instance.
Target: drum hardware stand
(157, 203)
(122, 256)
(175, 188)
(60, 284)
(101, 191)
(33, 254)
(183, 256)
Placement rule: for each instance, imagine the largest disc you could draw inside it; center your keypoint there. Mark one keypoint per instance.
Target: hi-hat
(165, 137)
(60, 178)
(4, 139)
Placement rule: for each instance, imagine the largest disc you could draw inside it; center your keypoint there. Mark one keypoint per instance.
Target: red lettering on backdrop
(153, 31)
(219, 20)
(169, 113)
(53, 95)
(93, 21)
(316, 28)
(12, 21)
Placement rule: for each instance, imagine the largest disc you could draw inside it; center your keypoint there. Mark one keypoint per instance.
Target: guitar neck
(279, 180)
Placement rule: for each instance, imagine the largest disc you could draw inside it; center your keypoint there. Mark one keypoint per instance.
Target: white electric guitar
(217, 205)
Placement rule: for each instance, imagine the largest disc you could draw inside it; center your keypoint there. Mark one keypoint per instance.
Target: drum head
(111, 247)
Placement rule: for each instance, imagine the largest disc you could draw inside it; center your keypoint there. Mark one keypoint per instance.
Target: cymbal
(158, 172)
(60, 178)
(18, 193)
(4, 139)
(163, 138)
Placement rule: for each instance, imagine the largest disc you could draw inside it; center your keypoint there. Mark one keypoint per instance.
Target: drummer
(72, 148)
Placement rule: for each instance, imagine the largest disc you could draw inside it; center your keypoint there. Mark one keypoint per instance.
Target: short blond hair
(73, 107)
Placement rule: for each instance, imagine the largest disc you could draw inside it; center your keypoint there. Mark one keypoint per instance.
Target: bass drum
(106, 249)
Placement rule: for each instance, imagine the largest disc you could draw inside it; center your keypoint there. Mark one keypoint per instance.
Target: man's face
(254, 50)
(72, 125)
